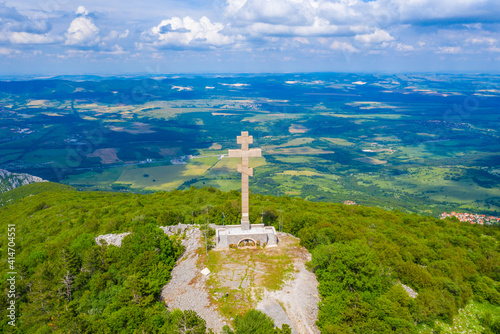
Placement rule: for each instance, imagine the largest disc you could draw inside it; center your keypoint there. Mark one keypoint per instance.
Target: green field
(397, 146)
(164, 177)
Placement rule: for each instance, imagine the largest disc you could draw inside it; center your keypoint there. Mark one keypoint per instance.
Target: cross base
(245, 222)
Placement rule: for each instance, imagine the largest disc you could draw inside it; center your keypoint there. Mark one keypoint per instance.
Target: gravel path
(186, 289)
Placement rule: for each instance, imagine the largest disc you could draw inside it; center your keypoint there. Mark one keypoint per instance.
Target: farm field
(414, 143)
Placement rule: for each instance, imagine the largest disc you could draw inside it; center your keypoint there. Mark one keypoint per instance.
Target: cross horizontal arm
(251, 153)
(244, 139)
(245, 170)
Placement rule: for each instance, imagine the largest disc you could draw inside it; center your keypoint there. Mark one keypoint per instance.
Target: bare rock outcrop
(111, 239)
(9, 181)
(186, 290)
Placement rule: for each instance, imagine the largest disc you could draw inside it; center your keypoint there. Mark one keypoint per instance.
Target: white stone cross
(245, 171)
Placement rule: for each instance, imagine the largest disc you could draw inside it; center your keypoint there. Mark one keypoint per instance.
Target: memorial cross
(245, 171)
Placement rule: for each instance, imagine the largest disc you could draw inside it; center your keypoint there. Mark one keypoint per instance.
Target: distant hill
(11, 196)
(9, 181)
(366, 260)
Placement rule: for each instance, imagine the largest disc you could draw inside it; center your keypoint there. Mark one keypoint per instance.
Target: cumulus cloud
(113, 34)
(82, 32)
(378, 36)
(124, 34)
(371, 24)
(16, 28)
(7, 51)
(28, 38)
(82, 11)
(450, 49)
(481, 40)
(304, 26)
(187, 32)
(320, 27)
(283, 12)
(404, 47)
(13, 21)
(343, 46)
(446, 11)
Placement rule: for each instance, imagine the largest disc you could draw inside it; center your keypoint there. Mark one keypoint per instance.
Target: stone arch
(247, 239)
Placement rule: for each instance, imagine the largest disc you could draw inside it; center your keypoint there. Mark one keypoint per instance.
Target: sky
(121, 37)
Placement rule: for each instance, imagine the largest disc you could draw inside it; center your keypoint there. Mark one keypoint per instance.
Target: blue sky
(50, 37)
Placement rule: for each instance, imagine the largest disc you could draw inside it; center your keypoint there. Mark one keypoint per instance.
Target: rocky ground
(186, 290)
(250, 278)
(9, 181)
(299, 296)
(245, 273)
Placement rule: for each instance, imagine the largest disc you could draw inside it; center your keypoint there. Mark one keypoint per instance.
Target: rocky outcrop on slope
(116, 239)
(9, 181)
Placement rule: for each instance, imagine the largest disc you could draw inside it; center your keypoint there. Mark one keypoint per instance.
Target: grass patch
(300, 173)
(165, 177)
(338, 141)
(466, 321)
(240, 276)
(231, 164)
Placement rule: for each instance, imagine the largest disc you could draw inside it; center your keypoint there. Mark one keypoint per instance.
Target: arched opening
(247, 242)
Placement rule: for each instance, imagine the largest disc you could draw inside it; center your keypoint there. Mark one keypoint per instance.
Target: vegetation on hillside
(67, 283)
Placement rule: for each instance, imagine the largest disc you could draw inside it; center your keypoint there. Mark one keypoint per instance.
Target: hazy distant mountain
(9, 181)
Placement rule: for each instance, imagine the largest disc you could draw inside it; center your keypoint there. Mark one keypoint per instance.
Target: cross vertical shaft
(244, 140)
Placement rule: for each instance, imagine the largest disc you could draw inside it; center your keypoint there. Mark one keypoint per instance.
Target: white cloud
(82, 32)
(283, 12)
(177, 32)
(82, 11)
(301, 40)
(344, 11)
(7, 51)
(124, 34)
(481, 40)
(113, 34)
(443, 10)
(115, 50)
(450, 49)
(343, 46)
(378, 36)
(27, 38)
(320, 27)
(13, 21)
(404, 47)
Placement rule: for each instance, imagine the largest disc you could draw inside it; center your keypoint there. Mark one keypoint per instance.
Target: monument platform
(234, 234)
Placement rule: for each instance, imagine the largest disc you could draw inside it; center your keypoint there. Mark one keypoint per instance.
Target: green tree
(188, 322)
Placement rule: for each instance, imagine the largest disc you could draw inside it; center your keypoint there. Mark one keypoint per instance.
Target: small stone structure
(235, 234)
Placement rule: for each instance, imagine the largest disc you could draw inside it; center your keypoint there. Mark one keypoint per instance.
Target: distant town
(472, 218)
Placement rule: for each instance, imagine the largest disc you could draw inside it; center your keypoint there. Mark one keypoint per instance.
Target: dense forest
(362, 257)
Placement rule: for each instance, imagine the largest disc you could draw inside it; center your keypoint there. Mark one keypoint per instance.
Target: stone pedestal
(234, 235)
